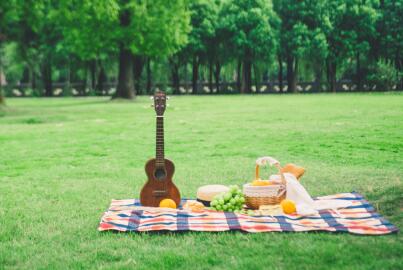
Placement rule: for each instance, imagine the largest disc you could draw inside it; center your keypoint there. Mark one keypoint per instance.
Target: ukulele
(159, 170)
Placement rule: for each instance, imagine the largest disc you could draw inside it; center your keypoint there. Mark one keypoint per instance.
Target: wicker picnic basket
(255, 196)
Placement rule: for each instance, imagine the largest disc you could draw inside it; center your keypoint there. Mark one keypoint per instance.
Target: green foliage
(11, 62)
(89, 27)
(155, 28)
(390, 27)
(349, 26)
(302, 27)
(250, 26)
(204, 19)
(384, 75)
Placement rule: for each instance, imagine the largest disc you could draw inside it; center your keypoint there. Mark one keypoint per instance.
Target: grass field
(62, 160)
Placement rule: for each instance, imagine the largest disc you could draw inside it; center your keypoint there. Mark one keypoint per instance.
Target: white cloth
(296, 192)
(305, 205)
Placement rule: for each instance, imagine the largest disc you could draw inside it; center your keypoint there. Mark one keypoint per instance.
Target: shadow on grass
(184, 234)
(389, 202)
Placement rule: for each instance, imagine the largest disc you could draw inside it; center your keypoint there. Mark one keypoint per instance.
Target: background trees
(250, 26)
(145, 44)
(133, 29)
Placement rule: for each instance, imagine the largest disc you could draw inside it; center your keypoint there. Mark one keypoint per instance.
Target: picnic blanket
(360, 218)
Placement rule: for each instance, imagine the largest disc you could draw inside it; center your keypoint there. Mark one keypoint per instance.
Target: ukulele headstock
(160, 102)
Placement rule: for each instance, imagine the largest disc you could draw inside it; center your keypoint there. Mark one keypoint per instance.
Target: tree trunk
(26, 78)
(256, 78)
(2, 100)
(186, 79)
(138, 66)
(238, 76)
(125, 88)
(100, 87)
(246, 76)
(47, 77)
(84, 82)
(93, 71)
(195, 74)
(217, 75)
(210, 76)
(33, 79)
(280, 73)
(175, 75)
(331, 71)
(66, 90)
(292, 67)
(318, 78)
(399, 70)
(358, 73)
(149, 78)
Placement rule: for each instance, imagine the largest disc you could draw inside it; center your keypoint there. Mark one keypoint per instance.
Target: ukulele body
(159, 185)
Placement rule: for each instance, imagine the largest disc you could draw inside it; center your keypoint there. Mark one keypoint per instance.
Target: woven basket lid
(207, 193)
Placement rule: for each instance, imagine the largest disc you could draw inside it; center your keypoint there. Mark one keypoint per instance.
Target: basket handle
(272, 162)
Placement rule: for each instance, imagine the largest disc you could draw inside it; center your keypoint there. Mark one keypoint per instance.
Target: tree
(7, 19)
(135, 28)
(300, 35)
(37, 34)
(349, 25)
(365, 17)
(250, 26)
(88, 31)
(390, 28)
(203, 21)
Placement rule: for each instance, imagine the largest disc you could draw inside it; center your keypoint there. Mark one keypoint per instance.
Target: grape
(231, 200)
(234, 189)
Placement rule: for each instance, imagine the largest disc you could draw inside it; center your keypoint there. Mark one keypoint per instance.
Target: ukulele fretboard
(159, 151)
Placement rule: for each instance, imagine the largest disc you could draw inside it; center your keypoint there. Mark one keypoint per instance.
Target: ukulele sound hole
(160, 174)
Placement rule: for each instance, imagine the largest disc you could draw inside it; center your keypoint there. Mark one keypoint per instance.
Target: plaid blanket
(360, 218)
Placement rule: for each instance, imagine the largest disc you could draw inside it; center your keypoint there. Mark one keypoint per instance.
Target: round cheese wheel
(205, 194)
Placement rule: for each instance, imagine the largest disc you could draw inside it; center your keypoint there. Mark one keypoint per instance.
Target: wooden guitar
(159, 170)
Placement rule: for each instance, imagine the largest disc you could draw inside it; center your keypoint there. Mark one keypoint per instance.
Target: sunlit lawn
(62, 160)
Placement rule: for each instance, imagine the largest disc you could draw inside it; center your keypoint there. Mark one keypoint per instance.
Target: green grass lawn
(62, 160)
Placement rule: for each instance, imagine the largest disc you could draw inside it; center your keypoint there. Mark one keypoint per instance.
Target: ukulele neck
(159, 150)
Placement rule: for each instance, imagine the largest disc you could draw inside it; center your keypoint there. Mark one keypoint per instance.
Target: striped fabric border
(360, 218)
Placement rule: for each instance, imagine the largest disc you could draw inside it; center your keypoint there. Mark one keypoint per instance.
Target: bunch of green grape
(230, 201)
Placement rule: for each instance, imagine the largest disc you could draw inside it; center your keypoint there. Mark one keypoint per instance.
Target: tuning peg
(168, 105)
(168, 97)
(151, 97)
(152, 105)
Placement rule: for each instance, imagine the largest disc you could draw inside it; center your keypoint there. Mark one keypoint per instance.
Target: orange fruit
(168, 203)
(288, 206)
(260, 183)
